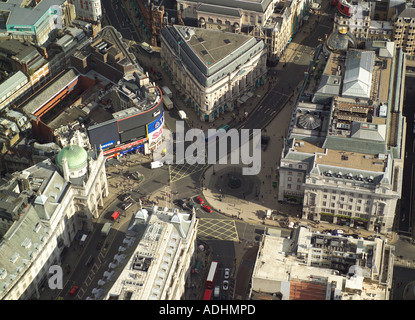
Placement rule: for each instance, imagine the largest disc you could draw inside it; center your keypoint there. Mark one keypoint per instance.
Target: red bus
(211, 275)
(208, 294)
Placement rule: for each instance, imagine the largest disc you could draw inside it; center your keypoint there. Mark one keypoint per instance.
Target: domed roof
(341, 40)
(308, 121)
(75, 155)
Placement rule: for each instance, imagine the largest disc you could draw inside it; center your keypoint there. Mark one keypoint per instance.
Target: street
(231, 239)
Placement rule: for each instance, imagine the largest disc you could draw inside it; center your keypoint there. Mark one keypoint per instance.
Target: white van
(216, 292)
(156, 164)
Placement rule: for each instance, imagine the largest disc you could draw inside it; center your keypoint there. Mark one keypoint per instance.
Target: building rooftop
(212, 46)
(211, 55)
(144, 273)
(250, 5)
(357, 80)
(40, 98)
(295, 267)
(20, 15)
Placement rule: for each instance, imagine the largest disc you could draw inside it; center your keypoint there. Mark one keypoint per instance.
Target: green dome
(75, 155)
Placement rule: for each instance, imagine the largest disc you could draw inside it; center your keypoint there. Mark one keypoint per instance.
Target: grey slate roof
(232, 12)
(250, 5)
(357, 80)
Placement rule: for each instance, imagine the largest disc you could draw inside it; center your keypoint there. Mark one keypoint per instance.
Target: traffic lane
(407, 193)
(116, 15)
(269, 108)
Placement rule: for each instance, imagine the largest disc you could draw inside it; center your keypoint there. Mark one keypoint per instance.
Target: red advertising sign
(125, 146)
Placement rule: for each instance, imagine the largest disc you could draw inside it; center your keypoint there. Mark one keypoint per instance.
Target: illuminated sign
(106, 145)
(125, 146)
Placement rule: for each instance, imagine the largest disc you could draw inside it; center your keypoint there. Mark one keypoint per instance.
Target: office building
(315, 266)
(36, 21)
(215, 71)
(343, 157)
(274, 22)
(156, 258)
(44, 207)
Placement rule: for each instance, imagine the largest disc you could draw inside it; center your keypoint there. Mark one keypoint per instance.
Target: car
(225, 285)
(192, 205)
(125, 196)
(264, 142)
(207, 208)
(181, 203)
(199, 200)
(159, 76)
(73, 290)
(226, 273)
(115, 215)
(126, 205)
(99, 245)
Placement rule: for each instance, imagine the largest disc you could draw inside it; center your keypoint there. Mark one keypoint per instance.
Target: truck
(166, 90)
(156, 164)
(182, 114)
(106, 229)
(167, 103)
(83, 239)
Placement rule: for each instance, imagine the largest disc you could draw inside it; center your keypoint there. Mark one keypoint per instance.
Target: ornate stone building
(48, 205)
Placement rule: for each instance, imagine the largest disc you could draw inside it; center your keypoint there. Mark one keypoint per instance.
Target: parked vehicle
(225, 285)
(226, 273)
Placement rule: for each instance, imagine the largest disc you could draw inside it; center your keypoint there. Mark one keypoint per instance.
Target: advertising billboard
(155, 131)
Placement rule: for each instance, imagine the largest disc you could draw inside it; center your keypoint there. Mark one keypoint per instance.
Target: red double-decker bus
(211, 275)
(210, 280)
(208, 294)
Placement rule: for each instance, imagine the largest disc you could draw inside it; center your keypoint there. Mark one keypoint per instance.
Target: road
(116, 15)
(407, 204)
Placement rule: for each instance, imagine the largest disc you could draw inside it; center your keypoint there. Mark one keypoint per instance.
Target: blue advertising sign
(108, 144)
(156, 124)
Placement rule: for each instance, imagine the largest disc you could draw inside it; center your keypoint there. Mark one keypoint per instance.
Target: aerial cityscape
(244, 150)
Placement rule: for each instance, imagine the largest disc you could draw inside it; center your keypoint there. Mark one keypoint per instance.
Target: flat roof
(211, 46)
(21, 16)
(341, 159)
